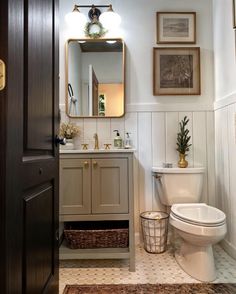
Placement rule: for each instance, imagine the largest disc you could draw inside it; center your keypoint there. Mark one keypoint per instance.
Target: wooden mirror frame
(66, 75)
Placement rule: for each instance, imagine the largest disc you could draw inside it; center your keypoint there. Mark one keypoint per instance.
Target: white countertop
(79, 151)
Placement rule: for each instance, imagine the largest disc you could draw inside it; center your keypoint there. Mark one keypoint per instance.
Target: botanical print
(175, 27)
(176, 71)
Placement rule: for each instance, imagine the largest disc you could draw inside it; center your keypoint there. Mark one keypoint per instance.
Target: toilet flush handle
(157, 176)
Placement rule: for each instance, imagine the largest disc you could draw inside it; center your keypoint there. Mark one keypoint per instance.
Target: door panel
(40, 155)
(39, 89)
(110, 185)
(38, 239)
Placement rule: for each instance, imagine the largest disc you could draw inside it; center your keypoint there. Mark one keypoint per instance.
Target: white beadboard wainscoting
(225, 161)
(225, 124)
(154, 138)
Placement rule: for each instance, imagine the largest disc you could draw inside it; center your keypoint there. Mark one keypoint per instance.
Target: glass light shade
(110, 20)
(111, 41)
(75, 19)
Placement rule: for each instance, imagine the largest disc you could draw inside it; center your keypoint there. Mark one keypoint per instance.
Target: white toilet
(199, 225)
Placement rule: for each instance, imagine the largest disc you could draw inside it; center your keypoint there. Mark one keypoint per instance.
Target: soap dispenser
(128, 144)
(118, 140)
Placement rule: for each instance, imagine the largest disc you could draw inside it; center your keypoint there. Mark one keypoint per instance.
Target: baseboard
(229, 248)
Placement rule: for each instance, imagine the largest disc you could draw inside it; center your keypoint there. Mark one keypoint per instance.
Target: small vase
(182, 161)
(69, 145)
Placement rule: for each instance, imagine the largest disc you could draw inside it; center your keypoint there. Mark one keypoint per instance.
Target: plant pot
(69, 145)
(182, 163)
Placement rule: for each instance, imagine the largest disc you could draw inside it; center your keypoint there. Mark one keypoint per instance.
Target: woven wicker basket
(108, 238)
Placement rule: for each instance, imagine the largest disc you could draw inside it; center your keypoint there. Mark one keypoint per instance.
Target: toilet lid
(198, 214)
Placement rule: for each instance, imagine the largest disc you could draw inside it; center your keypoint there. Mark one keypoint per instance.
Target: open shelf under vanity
(97, 188)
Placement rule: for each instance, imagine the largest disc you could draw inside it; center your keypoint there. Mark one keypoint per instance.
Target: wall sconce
(109, 19)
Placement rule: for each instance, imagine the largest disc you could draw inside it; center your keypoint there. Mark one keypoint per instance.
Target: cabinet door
(75, 186)
(110, 185)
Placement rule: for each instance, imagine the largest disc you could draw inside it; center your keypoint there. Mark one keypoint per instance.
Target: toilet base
(197, 261)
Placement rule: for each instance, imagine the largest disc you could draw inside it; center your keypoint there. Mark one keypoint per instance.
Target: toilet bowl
(200, 226)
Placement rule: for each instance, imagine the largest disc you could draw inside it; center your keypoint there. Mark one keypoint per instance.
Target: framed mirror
(95, 78)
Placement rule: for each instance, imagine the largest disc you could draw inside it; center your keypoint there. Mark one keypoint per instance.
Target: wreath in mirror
(94, 30)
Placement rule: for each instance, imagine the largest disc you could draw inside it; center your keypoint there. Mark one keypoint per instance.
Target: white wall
(153, 120)
(107, 66)
(224, 50)
(225, 109)
(138, 29)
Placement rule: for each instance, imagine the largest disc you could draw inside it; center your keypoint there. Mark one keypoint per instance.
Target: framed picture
(176, 71)
(234, 14)
(176, 27)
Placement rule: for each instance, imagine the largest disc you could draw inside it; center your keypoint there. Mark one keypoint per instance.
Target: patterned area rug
(152, 289)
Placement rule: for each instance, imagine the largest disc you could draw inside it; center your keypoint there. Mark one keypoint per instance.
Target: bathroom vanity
(97, 185)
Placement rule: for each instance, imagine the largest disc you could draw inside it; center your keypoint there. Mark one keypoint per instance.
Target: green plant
(99, 30)
(183, 137)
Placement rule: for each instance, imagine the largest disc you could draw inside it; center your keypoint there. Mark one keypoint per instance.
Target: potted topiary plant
(183, 144)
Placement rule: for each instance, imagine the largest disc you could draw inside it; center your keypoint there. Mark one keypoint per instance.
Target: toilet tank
(179, 185)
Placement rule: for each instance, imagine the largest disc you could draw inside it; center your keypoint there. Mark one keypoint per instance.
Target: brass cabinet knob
(95, 163)
(86, 164)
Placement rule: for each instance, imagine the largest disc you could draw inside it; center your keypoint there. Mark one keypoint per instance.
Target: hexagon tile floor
(150, 268)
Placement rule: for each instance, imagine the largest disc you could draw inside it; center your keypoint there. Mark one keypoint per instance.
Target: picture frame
(176, 27)
(234, 13)
(176, 71)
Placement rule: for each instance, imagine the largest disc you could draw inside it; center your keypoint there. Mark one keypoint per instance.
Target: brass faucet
(96, 144)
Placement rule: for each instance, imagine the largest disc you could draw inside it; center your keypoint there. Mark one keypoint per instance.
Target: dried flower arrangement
(68, 130)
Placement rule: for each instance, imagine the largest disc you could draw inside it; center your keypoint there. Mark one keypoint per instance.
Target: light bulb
(75, 18)
(109, 19)
(111, 41)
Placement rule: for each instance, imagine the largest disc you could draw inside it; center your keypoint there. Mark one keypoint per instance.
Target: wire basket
(155, 230)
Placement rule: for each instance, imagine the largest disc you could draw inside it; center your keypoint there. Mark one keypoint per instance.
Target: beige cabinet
(98, 185)
(110, 189)
(75, 186)
(93, 187)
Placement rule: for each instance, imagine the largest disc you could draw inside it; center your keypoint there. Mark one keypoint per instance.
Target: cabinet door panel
(110, 185)
(75, 186)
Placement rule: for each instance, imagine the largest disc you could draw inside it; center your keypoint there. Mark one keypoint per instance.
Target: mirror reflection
(95, 78)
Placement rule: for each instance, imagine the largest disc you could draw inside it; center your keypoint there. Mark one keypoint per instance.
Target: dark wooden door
(28, 154)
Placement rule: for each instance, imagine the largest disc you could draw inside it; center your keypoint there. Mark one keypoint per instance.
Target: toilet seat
(198, 214)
